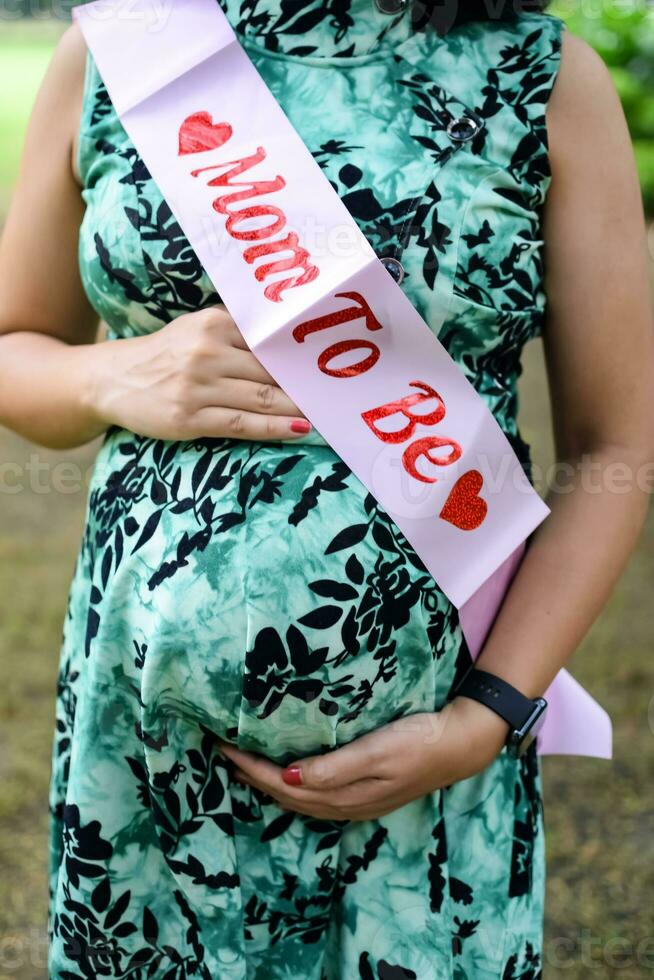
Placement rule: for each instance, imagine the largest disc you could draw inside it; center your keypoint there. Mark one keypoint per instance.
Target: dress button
(394, 267)
(462, 129)
(391, 6)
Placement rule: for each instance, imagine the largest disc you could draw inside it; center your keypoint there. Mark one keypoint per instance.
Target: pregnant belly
(259, 590)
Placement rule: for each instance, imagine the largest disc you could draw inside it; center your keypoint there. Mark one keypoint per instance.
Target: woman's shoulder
(69, 61)
(58, 103)
(584, 114)
(65, 77)
(583, 80)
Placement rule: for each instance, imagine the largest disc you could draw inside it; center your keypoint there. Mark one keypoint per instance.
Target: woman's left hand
(384, 769)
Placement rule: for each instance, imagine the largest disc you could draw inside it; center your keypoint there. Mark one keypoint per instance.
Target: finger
(319, 808)
(237, 363)
(378, 804)
(225, 361)
(235, 424)
(249, 762)
(365, 792)
(256, 768)
(352, 762)
(347, 803)
(364, 800)
(368, 795)
(248, 396)
(267, 776)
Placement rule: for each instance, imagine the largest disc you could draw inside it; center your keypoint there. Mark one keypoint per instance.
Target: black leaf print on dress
(272, 673)
(460, 892)
(177, 278)
(388, 971)
(122, 278)
(437, 862)
(384, 971)
(465, 928)
(182, 800)
(527, 812)
(531, 969)
(277, 827)
(85, 849)
(94, 931)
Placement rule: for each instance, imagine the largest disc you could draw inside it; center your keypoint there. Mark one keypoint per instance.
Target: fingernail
(292, 775)
(300, 425)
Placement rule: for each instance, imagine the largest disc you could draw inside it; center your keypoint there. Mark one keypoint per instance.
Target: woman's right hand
(196, 377)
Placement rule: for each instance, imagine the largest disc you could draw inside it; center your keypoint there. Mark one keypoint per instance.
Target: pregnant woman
(261, 766)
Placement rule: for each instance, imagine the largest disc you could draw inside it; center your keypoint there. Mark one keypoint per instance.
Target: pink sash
(331, 326)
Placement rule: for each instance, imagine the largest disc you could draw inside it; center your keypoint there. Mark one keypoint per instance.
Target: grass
(600, 824)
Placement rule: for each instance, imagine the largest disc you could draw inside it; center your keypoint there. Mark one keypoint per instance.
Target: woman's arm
(600, 357)
(45, 317)
(599, 345)
(58, 387)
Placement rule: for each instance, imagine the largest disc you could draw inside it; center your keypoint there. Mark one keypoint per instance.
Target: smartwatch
(525, 716)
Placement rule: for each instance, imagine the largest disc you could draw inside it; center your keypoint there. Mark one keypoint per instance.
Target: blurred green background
(600, 816)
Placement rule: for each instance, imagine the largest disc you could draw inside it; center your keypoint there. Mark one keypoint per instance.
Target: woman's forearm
(573, 561)
(45, 390)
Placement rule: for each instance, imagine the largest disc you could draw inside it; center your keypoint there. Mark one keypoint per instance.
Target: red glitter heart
(464, 507)
(199, 133)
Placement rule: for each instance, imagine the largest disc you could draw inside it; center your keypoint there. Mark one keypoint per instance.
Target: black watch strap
(498, 695)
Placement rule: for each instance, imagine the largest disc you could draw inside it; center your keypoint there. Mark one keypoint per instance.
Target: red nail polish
(292, 775)
(300, 425)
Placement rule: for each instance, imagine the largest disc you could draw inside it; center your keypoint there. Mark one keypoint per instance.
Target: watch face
(521, 738)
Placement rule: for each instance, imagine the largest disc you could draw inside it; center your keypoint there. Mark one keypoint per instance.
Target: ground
(600, 815)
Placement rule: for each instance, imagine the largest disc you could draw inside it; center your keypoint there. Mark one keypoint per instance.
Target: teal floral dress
(257, 592)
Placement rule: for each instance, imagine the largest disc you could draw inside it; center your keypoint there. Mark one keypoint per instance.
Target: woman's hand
(195, 377)
(384, 769)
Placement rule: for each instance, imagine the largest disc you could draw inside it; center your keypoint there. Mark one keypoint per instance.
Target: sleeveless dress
(257, 592)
